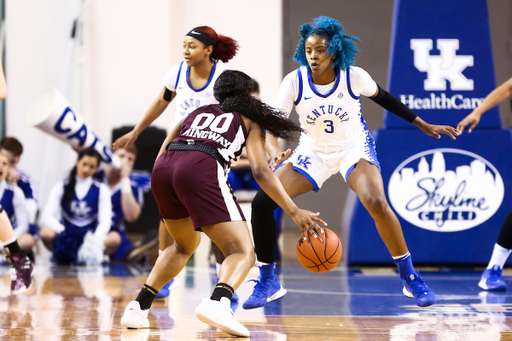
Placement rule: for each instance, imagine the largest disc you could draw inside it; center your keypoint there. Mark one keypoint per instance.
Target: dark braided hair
(233, 91)
(70, 187)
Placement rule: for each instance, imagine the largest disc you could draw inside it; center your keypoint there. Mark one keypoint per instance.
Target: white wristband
(126, 186)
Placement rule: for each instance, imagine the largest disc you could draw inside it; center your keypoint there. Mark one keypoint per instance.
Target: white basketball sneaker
(134, 317)
(220, 315)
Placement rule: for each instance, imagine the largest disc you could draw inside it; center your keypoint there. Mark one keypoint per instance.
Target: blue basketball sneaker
(492, 279)
(415, 286)
(267, 289)
(166, 289)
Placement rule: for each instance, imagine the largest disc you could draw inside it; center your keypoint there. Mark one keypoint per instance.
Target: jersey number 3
(219, 124)
(330, 126)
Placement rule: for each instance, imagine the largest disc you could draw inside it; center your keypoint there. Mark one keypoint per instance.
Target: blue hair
(339, 45)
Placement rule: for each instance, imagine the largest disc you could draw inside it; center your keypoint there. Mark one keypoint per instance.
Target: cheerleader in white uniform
(78, 214)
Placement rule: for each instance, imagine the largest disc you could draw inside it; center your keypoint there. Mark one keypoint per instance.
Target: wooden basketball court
(86, 303)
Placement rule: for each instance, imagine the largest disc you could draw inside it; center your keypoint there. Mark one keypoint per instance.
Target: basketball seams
(327, 259)
(334, 253)
(316, 254)
(314, 251)
(312, 261)
(325, 246)
(321, 266)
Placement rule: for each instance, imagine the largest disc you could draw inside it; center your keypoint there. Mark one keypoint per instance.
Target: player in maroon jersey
(193, 194)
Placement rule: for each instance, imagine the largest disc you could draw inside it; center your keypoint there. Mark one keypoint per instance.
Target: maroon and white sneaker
(21, 272)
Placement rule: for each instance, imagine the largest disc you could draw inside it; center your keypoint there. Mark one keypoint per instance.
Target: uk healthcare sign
(450, 197)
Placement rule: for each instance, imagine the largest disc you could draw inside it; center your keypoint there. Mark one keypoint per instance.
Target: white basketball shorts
(318, 166)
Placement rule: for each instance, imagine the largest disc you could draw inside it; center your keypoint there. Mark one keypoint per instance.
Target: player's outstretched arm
(154, 111)
(394, 105)
(269, 182)
(497, 96)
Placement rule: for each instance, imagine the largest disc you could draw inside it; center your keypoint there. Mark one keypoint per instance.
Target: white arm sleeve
(52, 211)
(31, 210)
(171, 77)
(104, 212)
(361, 82)
(20, 211)
(288, 92)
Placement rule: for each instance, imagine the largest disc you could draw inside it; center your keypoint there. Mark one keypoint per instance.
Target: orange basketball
(319, 253)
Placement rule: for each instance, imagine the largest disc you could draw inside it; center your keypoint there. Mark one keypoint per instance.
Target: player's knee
(187, 247)
(375, 204)
(251, 257)
(263, 203)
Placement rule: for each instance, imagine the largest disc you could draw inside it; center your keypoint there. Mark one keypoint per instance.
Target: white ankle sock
(499, 256)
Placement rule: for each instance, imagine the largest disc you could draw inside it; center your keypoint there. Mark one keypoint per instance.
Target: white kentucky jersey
(330, 114)
(187, 98)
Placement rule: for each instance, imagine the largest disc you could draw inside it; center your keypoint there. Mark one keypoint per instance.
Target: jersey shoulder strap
(301, 87)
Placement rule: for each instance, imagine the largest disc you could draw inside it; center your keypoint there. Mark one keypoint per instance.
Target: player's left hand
(436, 130)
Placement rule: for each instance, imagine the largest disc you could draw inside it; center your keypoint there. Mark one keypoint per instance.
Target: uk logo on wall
(446, 190)
(443, 71)
(438, 63)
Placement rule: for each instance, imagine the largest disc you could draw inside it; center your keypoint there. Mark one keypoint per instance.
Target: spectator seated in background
(20, 265)
(127, 200)
(78, 214)
(13, 202)
(13, 148)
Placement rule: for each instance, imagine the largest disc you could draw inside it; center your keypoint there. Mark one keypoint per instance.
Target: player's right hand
(307, 221)
(276, 159)
(125, 141)
(472, 119)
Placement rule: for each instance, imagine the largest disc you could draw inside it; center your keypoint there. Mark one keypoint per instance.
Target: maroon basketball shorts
(192, 183)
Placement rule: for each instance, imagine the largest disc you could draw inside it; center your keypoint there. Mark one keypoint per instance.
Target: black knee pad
(262, 202)
(264, 227)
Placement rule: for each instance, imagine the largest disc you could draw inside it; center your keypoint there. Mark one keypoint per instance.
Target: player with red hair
(191, 84)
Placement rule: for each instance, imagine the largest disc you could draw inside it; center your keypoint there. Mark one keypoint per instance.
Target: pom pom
(91, 250)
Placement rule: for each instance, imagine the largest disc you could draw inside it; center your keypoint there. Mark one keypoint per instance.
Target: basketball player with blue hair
(325, 91)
